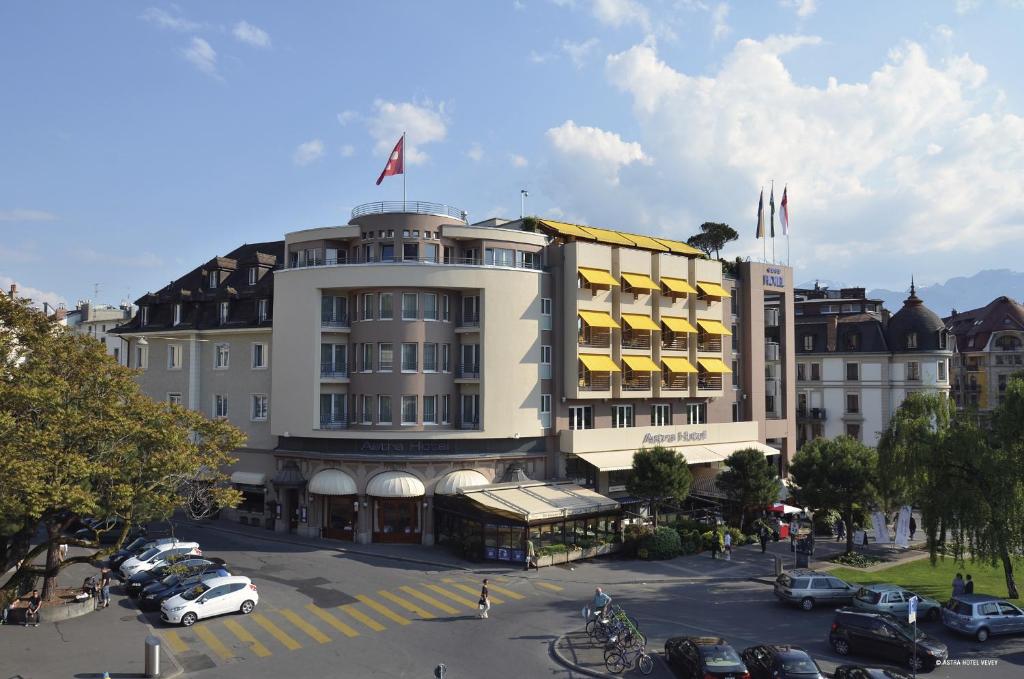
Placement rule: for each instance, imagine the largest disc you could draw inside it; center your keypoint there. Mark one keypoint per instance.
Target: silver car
(982, 615)
(807, 588)
(895, 600)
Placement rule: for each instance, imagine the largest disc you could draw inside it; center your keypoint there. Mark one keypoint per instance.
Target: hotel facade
(411, 377)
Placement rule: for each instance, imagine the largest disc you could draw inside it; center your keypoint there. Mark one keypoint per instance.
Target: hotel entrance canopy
(539, 501)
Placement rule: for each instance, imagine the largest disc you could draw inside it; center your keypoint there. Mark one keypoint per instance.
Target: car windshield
(719, 656)
(907, 630)
(868, 596)
(149, 554)
(797, 663)
(195, 592)
(135, 544)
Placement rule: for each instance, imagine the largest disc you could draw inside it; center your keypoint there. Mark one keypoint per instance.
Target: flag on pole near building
(396, 161)
(784, 212)
(771, 203)
(760, 216)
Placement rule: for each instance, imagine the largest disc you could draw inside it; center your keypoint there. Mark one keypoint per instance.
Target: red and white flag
(396, 161)
(784, 213)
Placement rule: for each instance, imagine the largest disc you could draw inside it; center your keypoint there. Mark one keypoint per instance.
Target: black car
(780, 662)
(157, 593)
(862, 672)
(884, 636)
(183, 565)
(700, 657)
(135, 548)
(106, 531)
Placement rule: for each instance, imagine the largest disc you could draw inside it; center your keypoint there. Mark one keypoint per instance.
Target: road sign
(912, 609)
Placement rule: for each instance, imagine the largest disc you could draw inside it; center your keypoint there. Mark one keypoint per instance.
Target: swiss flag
(396, 161)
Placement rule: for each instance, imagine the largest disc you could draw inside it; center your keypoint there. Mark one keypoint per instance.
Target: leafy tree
(713, 237)
(659, 473)
(79, 438)
(835, 474)
(749, 482)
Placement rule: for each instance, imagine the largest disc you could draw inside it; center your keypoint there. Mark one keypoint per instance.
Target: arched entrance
(397, 507)
(340, 503)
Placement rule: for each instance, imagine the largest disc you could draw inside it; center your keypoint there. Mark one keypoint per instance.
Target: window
(661, 415)
(332, 409)
(368, 253)
(913, 370)
(221, 356)
(259, 355)
(446, 409)
(259, 407)
(429, 358)
(735, 338)
(141, 358)
(853, 403)
(528, 260)
(383, 409)
(144, 315)
(174, 398)
(808, 342)
(853, 341)
(470, 411)
(736, 411)
(429, 410)
(262, 310)
(409, 358)
(367, 304)
(446, 358)
(367, 357)
(499, 257)
(430, 311)
(212, 279)
(385, 357)
(911, 340)
(545, 313)
(942, 370)
(220, 405)
(545, 362)
(735, 373)
(174, 357)
(410, 252)
(409, 306)
(853, 430)
(409, 404)
(622, 416)
(222, 316)
(366, 409)
(545, 410)
(801, 372)
(386, 309)
(387, 252)
(446, 310)
(815, 372)
(177, 314)
(696, 413)
(581, 417)
(853, 371)
(253, 275)
(333, 359)
(430, 252)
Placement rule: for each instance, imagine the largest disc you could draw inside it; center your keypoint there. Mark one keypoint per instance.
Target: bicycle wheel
(646, 664)
(616, 663)
(591, 625)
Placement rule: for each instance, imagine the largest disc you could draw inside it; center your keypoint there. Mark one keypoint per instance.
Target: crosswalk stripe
(276, 632)
(331, 620)
(382, 609)
(213, 642)
(294, 619)
(470, 590)
(439, 605)
(548, 585)
(451, 595)
(363, 617)
(246, 638)
(407, 605)
(175, 642)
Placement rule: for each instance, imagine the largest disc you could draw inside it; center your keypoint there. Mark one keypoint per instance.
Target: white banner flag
(881, 530)
(903, 527)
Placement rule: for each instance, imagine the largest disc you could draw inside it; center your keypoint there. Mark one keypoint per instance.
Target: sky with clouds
(140, 140)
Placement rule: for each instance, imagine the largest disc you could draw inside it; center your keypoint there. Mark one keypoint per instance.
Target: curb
(557, 656)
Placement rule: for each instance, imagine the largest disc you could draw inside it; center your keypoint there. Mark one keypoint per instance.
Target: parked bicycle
(619, 661)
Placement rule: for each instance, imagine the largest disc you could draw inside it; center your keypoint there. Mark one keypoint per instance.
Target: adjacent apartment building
(989, 349)
(411, 377)
(856, 363)
(95, 320)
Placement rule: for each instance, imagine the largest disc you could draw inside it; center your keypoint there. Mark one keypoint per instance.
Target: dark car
(862, 672)
(157, 593)
(883, 636)
(185, 563)
(134, 548)
(780, 662)
(700, 657)
(106, 531)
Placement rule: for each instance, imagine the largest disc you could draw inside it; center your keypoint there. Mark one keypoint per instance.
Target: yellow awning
(640, 363)
(713, 327)
(646, 242)
(597, 276)
(598, 319)
(639, 322)
(606, 236)
(677, 365)
(676, 324)
(566, 229)
(712, 289)
(639, 281)
(599, 363)
(678, 286)
(714, 365)
(680, 248)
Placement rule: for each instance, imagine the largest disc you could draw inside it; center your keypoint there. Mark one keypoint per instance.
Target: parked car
(154, 557)
(982, 615)
(158, 592)
(807, 588)
(209, 598)
(862, 672)
(135, 548)
(884, 636)
(896, 600)
(106, 531)
(780, 662)
(704, 658)
(184, 565)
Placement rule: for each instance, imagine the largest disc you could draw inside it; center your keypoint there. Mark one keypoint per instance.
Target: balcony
(636, 340)
(333, 424)
(469, 423)
(596, 338)
(771, 318)
(674, 341)
(709, 382)
(335, 321)
(771, 351)
(598, 381)
(771, 387)
(709, 343)
(805, 413)
(468, 371)
(638, 382)
(468, 321)
(415, 207)
(675, 382)
(331, 371)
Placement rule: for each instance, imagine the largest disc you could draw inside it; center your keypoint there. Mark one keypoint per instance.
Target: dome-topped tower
(915, 327)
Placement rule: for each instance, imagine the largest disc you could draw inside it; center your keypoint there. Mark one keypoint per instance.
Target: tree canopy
(659, 473)
(749, 482)
(713, 237)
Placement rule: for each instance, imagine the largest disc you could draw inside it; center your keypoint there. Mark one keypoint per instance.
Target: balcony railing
(597, 338)
(468, 371)
(469, 423)
(417, 207)
(595, 381)
(331, 423)
(810, 413)
(674, 340)
(771, 351)
(709, 382)
(771, 318)
(636, 340)
(675, 382)
(398, 258)
(710, 343)
(641, 382)
(469, 321)
(771, 387)
(334, 321)
(331, 370)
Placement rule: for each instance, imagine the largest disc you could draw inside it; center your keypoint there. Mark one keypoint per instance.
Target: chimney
(831, 332)
(14, 290)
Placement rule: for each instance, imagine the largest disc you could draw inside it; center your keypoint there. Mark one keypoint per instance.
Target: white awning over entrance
(727, 449)
(332, 482)
(540, 500)
(452, 482)
(617, 460)
(395, 484)
(249, 478)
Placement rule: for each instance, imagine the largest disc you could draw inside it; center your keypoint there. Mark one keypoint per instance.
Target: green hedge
(663, 543)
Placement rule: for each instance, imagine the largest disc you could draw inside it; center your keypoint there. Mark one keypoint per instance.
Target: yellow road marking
(382, 609)
(175, 642)
(276, 632)
(451, 595)
(246, 638)
(294, 619)
(439, 605)
(363, 617)
(505, 592)
(407, 605)
(470, 590)
(213, 642)
(331, 620)
(548, 585)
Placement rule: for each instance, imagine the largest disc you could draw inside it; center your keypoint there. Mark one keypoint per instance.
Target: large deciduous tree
(835, 474)
(659, 473)
(713, 237)
(749, 482)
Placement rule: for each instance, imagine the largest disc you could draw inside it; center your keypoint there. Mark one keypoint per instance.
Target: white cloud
(251, 35)
(619, 13)
(719, 26)
(965, 6)
(603, 151)
(518, 160)
(172, 22)
(539, 57)
(347, 151)
(23, 215)
(579, 52)
(933, 149)
(35, 294)
(308, 152)
(943, 32)
(345, 117)
(201, 55)
(475, 152)
(423, 124)
(804, 8)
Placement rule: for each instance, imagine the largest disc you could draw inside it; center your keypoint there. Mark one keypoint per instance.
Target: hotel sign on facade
(773, 278)
(674, 438)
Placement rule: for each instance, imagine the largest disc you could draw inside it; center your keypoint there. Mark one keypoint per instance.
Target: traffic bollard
(152, 656)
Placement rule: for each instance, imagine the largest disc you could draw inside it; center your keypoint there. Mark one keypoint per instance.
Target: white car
(150, 558)
(212, 596)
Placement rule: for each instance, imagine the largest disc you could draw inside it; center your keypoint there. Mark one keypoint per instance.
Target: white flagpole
(771, 209)
(404, 171)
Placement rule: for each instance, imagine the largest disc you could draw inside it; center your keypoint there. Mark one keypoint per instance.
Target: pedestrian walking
(969, 585)
(840, 530)
(104, 599)
(728, 546)
(32, 612)
(715, 548)
(958, 585)
(763, 537)
(913, 527)
(531, 556)
(485, 600)
(794, 529)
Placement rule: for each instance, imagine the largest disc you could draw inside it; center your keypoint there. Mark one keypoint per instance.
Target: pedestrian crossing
(268, 631)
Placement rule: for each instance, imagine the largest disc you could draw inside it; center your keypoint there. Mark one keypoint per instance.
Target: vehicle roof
(976, 598)
(177, 544)
(804, 572)
(224, 580)
(780, 649)
(883, 587)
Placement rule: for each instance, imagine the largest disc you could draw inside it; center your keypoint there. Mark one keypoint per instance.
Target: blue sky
(140, 140)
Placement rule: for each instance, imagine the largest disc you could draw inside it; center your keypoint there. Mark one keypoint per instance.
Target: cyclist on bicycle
(602, 602)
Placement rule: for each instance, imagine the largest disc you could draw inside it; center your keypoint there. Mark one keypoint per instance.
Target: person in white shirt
(728, 546)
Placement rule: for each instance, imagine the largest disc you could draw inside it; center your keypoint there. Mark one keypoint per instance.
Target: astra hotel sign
(675, 438)
(772, 278)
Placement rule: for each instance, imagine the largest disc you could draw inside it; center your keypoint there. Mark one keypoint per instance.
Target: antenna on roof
(523, 195)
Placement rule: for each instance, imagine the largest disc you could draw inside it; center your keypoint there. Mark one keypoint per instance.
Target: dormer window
(223, 312)
(853, 341)
(262, 306)
(144, 315)
(253, 275)
(213, 279)
(911, 340)
(177, 314)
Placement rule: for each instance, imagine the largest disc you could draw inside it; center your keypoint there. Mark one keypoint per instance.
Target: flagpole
(773, 221)
(404, 171)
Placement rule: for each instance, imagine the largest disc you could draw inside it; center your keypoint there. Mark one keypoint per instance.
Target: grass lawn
(936, 582)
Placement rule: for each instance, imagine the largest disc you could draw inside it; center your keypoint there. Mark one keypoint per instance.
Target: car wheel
(841, 646)
(915, 662)
(188, 619)
(982, 634)
(933, 615)
(247, 607)
(807, 603)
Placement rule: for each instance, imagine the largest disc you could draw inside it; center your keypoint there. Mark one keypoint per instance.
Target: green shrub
(685, 524)
(552, 549)
(856, 560)
(663, 543)
(633, 534)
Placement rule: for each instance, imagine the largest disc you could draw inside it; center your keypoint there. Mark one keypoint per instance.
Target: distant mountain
(961, 293)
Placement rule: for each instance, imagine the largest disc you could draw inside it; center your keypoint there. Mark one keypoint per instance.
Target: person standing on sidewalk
(104, 599)
(958, 585)
(485, 600)
(794, 528)
(762, 535)
(913, 527)
(714, 543)
(969, 585)
(32, 612)
(728, 545)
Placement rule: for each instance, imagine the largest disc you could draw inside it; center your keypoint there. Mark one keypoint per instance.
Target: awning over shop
(395, 484)
(248, 478)
(639, 281)
(540, 500)
(618, 460)
(641, 363)
(452, 482)
(598, 319)
(712, 289)
(639, 322)
(678, 286)
(597, 276)
(332, 482)
(290, 476)
(727, 449)
(714, 365)
(677, 365)
(713, 327)
(599, 363)
(676, 324)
